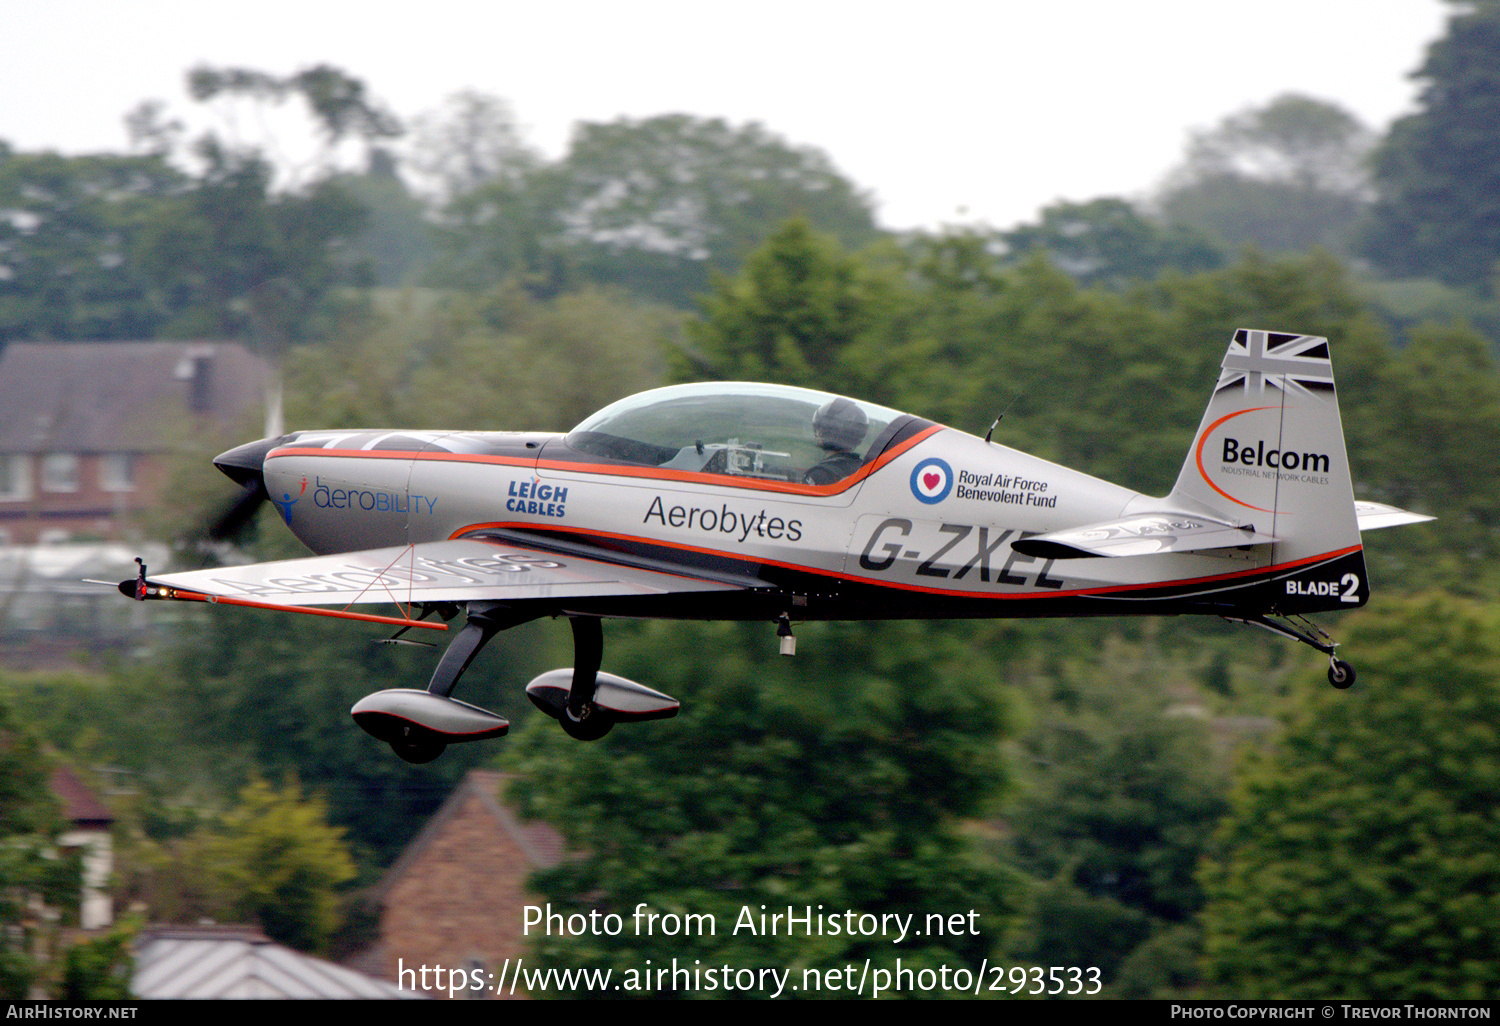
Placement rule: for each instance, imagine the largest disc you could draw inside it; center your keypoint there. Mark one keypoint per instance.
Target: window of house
(117, 472)
(60, 472)
(15, 477)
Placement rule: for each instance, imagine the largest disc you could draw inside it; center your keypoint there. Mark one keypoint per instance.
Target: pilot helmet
(840, 424)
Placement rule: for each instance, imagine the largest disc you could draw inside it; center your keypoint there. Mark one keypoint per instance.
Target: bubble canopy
(741, 429)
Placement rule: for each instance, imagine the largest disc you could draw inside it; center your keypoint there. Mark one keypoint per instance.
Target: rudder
(1270, 453)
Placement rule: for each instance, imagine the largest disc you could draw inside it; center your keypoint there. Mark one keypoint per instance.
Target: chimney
(196, 368)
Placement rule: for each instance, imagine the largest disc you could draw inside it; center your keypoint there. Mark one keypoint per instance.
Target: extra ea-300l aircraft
(736, 501)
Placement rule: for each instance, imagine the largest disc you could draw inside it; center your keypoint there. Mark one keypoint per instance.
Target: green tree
(979, 336)
(583, 350)
(109, 247)
(655, 206)
(1438, 171)
(397, 243)
(1288, 176)
(1422, 437)
(1109, 242)
(30, 869)
(794, 315)
(1299, 140)
(228, 257)
(504, 230)
(284, 863)
(842, 779)
(112, 246)
(472, 141)
(272, 859)
(699, 192)
(100, 968)
(340, 106)
(70, 231)
(1359, 858)
(426, 361)
(1119, 795)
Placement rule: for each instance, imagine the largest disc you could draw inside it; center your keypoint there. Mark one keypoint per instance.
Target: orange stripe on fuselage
(618, 470)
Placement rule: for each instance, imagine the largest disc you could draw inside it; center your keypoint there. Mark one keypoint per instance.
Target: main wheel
(1340, 674)
(418, 752)
(591, 728)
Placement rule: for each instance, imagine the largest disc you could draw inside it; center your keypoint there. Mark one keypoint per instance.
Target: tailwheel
(593, 725)
(1340, 674)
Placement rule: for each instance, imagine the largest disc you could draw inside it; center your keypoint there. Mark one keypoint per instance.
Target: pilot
(839, 426)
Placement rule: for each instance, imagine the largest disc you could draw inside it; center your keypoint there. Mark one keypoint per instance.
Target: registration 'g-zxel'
(734, 501)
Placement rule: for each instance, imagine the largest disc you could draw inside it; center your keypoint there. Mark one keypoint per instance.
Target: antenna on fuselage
(988, 434)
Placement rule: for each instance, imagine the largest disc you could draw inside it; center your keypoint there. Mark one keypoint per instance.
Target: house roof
(542, 845)
(240, 962)
(80, 804)
(92, 397)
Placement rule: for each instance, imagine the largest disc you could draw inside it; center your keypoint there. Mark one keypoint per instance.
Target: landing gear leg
(587, 702)
(582, 719)
(1340, 674)
(419, 726)
(476, 633)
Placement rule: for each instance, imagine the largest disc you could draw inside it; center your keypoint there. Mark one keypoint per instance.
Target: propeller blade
(245, 466)
(238, 514)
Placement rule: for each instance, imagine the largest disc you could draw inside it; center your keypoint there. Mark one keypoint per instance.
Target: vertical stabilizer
(1270, 453)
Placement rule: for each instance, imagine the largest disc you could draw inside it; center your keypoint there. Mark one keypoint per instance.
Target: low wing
(466, 570)
(1144, 534)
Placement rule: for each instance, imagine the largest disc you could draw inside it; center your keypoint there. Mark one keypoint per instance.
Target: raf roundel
(931, 481)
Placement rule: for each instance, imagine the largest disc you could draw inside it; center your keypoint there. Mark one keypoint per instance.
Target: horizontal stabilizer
(1145, 534)
(1375, 515)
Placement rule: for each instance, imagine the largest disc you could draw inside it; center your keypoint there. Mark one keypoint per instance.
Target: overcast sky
(946, 111)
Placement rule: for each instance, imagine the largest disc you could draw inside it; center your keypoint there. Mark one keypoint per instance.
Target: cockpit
(741, 430)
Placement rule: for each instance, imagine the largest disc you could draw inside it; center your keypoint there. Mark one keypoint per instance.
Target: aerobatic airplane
(737, 501)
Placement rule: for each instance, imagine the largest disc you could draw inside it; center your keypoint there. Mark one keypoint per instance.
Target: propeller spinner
(245, 466)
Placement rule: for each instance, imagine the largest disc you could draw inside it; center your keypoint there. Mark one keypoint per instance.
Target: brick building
(86, 427)
(455, 896)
